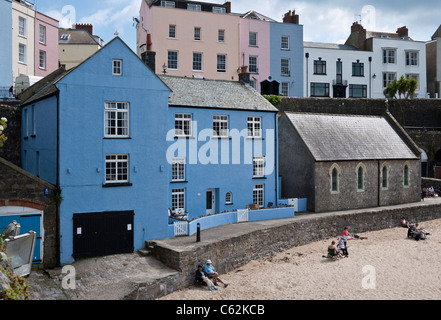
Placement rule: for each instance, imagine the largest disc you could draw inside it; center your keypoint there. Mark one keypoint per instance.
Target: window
(197, 33)
(221, 63)
(168, 4)
(319, 89)
(253, 64)
(172, 60)
(193, 7)
(284, 43)
(42, 59)
(65, 36)
(117, 168)
(252, 40)
(258, 194)
(183, 124)
(360, 177)
(229, 198)
(178, 169)
(285, 89)
(197, 61)
(339, 72)
(357, 69)
(357, 91)
(22, 26)
(42, 34)
(411, 58)
(335, 179)
(384, 177)
(254, 127)
(117, 67)
(406, 176)
(220, 126)
(219, 10)
(116, 119)
(33, 121)
(319, 66)
(389, 56)
(388, 77)
(284, 67)
(258, 167)
(221, 35)
(21, 53)
(178, 199)
(172, 31)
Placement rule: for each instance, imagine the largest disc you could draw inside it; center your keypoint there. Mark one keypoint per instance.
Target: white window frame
(117, 112)
(388, 57)
(193, 7)
(284, 43)
(42, 60)
(285, 68)
(117, 65)
(172, 31)
(172, 57)
(220, 125)
(42, 38)
(221, 66)
(117, 168)
(178, 198)
(168, 4)
(221, 35)
(229, 197)
(253, 64)
(183, 121)
(197, 34)
(178, 169)
(219, 10)
(412, 58)
(252, 39)
(258, 167)
(197, 61)
(22, 53)
(259, 194)
(254, 125)
(285, 89)
(388, 77)
(22, 27)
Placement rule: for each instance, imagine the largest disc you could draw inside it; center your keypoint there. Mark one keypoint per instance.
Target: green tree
(401, 89)
(273, 99)
(3, 126)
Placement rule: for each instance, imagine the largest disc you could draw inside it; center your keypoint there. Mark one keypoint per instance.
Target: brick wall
(20, 188)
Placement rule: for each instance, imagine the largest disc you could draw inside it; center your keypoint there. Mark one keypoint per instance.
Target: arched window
(228, 198)
(360, 172)
(384, 177)
(335, 178)
(406, 176)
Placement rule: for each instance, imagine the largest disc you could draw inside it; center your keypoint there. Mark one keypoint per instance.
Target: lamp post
(164, 68)
(198, 232)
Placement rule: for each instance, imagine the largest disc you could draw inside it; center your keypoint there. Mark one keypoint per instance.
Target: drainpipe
(307, 81)
(57, 215)
(379, 184)
(370, 77)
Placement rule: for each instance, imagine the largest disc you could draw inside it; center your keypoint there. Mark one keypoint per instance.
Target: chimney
(149, 56)
(291, 17)
(244, 76)
(87, 27)
(358, 36)
(149, 42)
(227, 6)
(403, 32)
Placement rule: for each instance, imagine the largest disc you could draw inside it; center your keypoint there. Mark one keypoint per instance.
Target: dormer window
(65, 36)
(219, 10)
(116, 67)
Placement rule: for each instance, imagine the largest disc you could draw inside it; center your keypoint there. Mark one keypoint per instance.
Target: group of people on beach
(341, 249)
(414, 230)
(429, 192)
(204, 274)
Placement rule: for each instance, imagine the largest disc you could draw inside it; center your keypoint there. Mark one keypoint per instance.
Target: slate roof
(334, 46)
(350, 137)
(194, 92)
(77, 36)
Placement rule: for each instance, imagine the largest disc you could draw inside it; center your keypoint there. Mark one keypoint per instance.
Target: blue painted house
(98, 132)
(222, 147)
(286, 55)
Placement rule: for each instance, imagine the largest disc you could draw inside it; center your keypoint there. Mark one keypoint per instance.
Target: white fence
(242, 215)
(181, 228)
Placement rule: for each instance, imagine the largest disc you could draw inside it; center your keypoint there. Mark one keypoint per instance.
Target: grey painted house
(341, 162)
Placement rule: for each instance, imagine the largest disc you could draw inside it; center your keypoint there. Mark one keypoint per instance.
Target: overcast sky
(322, 20)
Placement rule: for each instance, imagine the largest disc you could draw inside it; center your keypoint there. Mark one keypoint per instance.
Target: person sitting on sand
(404, 223)
(201, 277)
(211, 273)
(342, 246)
(333, 251)
(346, 233)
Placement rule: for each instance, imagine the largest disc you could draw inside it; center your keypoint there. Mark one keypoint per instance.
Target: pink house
(46, 44)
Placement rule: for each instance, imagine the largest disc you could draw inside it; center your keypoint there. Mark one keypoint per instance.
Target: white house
(393, 55)
(337, 71)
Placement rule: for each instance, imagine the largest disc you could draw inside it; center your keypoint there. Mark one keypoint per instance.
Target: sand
(387, 265)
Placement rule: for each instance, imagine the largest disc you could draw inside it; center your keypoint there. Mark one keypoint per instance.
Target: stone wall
(20, 188)
(238, 250)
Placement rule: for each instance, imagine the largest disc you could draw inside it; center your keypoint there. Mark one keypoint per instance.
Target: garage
(102, 233)
(30, 220)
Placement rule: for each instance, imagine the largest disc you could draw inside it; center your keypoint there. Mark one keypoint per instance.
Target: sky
(323, 20)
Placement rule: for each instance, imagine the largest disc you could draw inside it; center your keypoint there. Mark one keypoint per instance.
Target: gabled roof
(437, 33)
(332, 137)
(193, 92)
(256, 15)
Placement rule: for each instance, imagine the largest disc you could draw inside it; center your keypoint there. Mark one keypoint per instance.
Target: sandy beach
(383, 267)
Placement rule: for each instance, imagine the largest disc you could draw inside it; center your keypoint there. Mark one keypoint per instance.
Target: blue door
(27, 223)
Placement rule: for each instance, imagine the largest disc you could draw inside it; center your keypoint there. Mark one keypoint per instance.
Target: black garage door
(102, 233)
